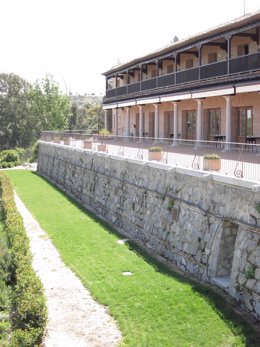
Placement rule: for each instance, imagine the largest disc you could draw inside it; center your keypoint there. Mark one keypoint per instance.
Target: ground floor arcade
(231, 114)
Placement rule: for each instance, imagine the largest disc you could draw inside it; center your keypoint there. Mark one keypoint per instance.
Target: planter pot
(211, 164)
(87, 145)
(56, 140)
(102, 147)
(155, 156)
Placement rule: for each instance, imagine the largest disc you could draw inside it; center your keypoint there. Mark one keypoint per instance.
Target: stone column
(106, 121)
(175, 120)
(228, 118)
(127, 125)
(140, 122)
(156, 122)
(199, 120)
(116, 122)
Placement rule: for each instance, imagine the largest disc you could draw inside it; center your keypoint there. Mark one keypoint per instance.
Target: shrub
(9, 156)
(155, 149)
(104, 131)
(29, 313)
(211, 156)
(8, 165)
(35, 153)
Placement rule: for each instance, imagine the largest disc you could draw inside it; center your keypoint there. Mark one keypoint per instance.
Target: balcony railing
(246, 63)
(236, 160)
(214, 70)
(237, 65)
(187, 75)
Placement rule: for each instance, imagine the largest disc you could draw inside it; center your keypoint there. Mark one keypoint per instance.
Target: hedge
(29, 312)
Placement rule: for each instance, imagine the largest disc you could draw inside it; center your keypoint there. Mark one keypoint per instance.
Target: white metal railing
(241, 160)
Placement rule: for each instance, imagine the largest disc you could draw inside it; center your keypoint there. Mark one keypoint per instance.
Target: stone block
(248, 304)
(257, 308)
(251, 284)
(257, 274)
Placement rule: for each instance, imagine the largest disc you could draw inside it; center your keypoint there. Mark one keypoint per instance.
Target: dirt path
(75, 318)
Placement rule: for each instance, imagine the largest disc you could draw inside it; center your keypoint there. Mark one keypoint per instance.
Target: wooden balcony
(225, 68)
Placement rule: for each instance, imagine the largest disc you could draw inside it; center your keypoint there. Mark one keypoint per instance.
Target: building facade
(199, 88)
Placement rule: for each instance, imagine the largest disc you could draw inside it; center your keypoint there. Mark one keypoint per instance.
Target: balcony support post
(199, 54)
(228, 38)
(156, 122)
(199, 119)
(228, 118)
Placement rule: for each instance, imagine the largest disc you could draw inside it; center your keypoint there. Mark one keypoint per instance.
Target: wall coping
(204, 175)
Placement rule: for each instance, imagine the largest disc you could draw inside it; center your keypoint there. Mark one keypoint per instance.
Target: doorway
(226, 254)
(168, 124)
(151, 124)
(189, 125)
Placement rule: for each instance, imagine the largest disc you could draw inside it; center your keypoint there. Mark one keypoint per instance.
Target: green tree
(89, 117)
(16, 123)
(49, 107)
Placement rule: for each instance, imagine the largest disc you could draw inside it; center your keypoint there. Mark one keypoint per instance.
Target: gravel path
(75, 318)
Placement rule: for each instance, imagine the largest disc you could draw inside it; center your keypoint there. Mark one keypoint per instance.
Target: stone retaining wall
(200, 222)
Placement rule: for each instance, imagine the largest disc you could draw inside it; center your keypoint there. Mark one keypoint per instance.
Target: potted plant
(211, 162)
(103, 134)
(155, 153)
(66, 141)
(87, 144)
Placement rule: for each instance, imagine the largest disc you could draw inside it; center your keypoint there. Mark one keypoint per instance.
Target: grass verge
(154, 307)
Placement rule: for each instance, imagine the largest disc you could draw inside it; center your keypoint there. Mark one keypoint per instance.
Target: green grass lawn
(153, 307)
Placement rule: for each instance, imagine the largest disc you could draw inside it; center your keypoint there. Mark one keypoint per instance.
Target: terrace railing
(240, 160)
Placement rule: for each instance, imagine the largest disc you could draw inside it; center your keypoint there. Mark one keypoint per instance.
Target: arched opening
(226, 254)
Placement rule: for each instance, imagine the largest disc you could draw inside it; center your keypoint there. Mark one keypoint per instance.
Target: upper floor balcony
(226, 70)
(227, 54)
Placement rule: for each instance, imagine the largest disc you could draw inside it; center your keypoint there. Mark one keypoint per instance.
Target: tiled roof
(223, 28)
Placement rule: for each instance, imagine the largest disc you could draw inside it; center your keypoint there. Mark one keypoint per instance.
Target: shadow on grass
(217, 301)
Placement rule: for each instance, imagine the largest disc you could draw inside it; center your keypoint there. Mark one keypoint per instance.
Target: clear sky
(77, 40)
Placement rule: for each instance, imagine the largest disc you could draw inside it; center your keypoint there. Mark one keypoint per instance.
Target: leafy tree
(16, 123)
(49, 107)
(89, 117)
(26, 110)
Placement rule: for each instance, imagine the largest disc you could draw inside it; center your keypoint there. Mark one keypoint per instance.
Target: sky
(76, 40)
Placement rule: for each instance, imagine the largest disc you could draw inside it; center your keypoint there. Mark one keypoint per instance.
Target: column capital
(228, 36)
(199, 101)
(227, 97)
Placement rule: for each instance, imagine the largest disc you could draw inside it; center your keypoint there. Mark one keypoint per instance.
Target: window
(242, 50)
(153, 73)
(110, 84)
(189, 63)
(191, 123)
(170, 68)
(212, 57)
(245, 121)
(214, 121)
(137, 76)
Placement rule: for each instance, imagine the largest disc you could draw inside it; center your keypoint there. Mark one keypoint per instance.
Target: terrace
(237, 160)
